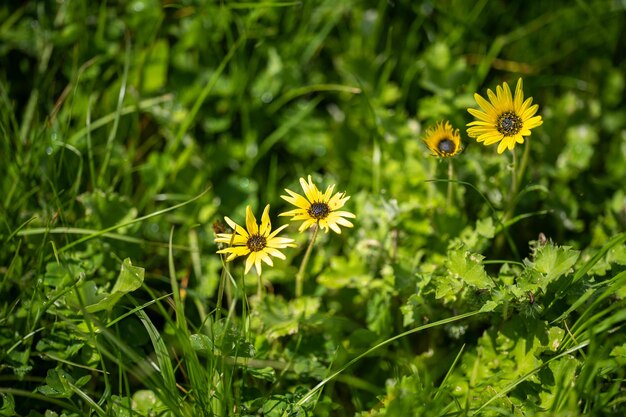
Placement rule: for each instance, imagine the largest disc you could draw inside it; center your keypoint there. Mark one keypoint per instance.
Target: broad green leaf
(489, 306)
(563, 374)
(144, 401)
(549, 263)
(351, 273)
(485, 227)
(617, 255)
(57, 384)
(468, 267)
(201, 342)
(619, 351)
(555, 336)
(281, 318)
(554, 261)
(121, 406)
(130, 278)
(8, 405)
(447, 287)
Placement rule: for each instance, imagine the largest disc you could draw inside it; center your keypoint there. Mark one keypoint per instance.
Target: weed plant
(425, 274)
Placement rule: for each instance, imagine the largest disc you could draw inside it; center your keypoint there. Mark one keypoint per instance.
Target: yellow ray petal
(266, 225)
(484, 104)
(519, 96)
(251, 225)
(249, 262)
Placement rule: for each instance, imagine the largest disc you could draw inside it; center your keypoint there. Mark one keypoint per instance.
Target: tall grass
(127, 130)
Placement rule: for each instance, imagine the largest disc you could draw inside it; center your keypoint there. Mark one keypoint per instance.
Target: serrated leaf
(468, 267)
(282, 318)
(447, 288)
(350, 273)
(485, 227)
(489, 306)
(554, 261)
(549, 263)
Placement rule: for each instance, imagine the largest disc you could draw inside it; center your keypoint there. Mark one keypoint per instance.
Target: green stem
(524, 163)
(517, 176)
(450, 177)
(259, 290)
(513, 192)
(510, 207)
(220, 293)
(305, 261)
(516, 179)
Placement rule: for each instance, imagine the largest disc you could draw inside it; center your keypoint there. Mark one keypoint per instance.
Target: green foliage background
(128, 128)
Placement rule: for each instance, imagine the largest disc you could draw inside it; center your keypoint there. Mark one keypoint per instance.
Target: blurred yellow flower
(318, 208)
(259, 243)
(442, 140)
(506, 119)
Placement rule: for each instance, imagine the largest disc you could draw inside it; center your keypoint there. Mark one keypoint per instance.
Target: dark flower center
(446, 146)
(509, 123)
(256, 243)
(318, 210)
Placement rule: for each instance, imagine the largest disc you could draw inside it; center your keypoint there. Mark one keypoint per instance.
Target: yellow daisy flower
(506, 119)
(259, 243)
(318, 208)
(442, 140)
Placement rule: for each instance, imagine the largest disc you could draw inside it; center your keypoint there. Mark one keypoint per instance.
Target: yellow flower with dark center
(318, 208)
(258, 242)
(442, 140)
(506, 119)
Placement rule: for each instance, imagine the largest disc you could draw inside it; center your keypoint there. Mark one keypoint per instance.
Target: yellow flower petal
(505, 119)
(484, 104)
(251, 225)
(266, 225)
(442, 140)
(258, 243)
(309, 189)
(249, 262)
(519, 97)
(317, 207)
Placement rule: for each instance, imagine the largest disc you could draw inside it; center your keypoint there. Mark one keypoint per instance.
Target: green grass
(127, 129)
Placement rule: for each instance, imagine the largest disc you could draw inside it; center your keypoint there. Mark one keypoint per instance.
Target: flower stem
(305, 261)
(259, 290)
(220, 293)
(450, 176)
(513, 194)
(516, 179)
(524, 163)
